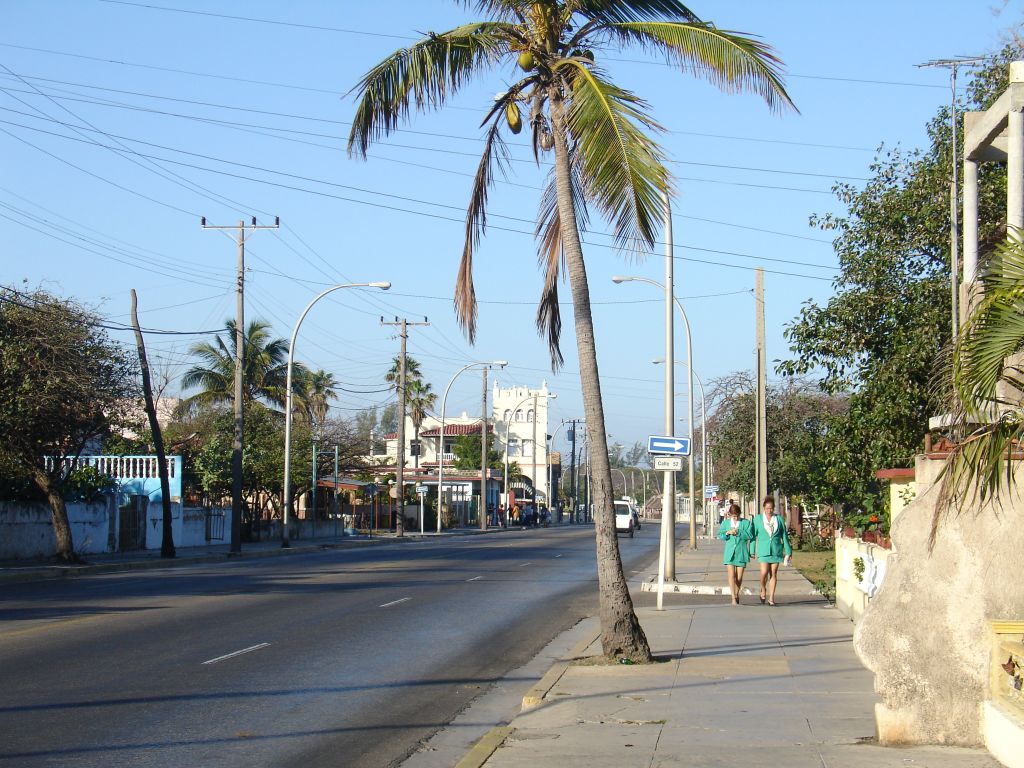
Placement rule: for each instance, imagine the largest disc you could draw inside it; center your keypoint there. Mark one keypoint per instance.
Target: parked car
(624, 518)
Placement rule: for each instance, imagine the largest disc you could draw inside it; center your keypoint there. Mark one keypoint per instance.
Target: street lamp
(616, 469)
(440, 444)
(383, 285)
(703, 436)
(669, 394)
(511, 413)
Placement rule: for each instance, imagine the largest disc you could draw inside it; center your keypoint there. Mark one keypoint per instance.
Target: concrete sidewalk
(15, 571)
(733, 685)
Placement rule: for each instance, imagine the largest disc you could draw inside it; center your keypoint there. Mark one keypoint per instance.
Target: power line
(401, 131)
(413, 200)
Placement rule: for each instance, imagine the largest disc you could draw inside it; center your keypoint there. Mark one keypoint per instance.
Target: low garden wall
(860, 570)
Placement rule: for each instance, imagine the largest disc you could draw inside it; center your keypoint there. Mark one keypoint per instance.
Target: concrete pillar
(970, 221)
(1015, 170)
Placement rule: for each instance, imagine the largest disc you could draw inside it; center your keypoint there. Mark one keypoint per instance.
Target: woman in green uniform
(771, 547)
(736, 534)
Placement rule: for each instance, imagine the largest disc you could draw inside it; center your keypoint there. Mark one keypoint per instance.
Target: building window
(513, 446)
(519, 415)
(527, 447)
(414, 448)
(507, 416)
(530, 416)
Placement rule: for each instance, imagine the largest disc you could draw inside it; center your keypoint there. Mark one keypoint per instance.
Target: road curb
(535, 696)
(485, 747)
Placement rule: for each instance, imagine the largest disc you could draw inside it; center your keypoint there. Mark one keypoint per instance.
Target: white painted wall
(26, 530)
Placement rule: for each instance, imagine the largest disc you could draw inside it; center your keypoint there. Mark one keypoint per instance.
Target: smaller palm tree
(412, 371)
(312, 392)
(419, 398)
(264, 367)
(987, 371)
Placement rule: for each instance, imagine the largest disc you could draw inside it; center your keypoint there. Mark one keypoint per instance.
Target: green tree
(63, 386)
(265, 368)
(604, 156)
(467, 454)
(876, 340)
(262, 459)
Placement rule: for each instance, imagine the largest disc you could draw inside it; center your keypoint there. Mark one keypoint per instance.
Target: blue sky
(254, 117)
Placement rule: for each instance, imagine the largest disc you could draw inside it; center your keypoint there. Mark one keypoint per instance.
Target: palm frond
(628, 11)
(622, 168)
(987, 399)
(495, 154)
(732, 61)
(423, 77)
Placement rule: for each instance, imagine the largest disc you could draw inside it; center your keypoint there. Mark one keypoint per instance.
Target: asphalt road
(340, 658)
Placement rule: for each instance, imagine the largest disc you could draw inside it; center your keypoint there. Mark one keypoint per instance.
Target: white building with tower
(518, 421)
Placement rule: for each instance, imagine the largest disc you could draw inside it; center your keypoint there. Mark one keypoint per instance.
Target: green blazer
(771, 549)
(737, 547)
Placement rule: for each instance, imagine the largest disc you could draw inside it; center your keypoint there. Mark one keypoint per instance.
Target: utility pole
(403, 336)
(167, 540)
(572, 468)
(761, 436)
(313, 491)
(954, 215)
(483, 455)
(334, 498)
(668, 499)
(236, 445)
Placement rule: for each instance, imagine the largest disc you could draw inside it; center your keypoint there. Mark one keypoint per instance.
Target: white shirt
(770, 524)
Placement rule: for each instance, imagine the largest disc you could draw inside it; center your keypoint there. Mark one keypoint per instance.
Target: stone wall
(924, 635)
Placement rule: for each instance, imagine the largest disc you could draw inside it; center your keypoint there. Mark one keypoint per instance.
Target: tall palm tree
(264, 367)
(313, 391)
(987, 371)
(419, 398)
(604, 156)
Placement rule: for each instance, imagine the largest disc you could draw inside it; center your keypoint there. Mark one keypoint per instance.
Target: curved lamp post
(288, 496)
(703, 434)
(669, 394)
(440, 442)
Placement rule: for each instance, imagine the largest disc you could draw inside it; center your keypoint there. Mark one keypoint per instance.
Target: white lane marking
(475, 578)
(525, 564)
(236, 653)
(557, 555)
(395, 602)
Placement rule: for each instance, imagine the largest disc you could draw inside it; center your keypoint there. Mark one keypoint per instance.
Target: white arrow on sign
(668, 444)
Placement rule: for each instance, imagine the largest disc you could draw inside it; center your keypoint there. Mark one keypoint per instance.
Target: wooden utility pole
(761, 433)
(403, 335)
(167, 539)
(236, 445)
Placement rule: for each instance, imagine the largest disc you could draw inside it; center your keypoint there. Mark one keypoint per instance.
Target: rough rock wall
(925, 635)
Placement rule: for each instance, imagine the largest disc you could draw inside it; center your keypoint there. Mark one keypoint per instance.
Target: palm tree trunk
(621, 633)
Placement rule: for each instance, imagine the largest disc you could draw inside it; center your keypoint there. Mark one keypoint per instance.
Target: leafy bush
(88, 484)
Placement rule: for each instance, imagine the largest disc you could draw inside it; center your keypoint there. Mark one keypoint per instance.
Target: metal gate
(215, 525)
(132, 524)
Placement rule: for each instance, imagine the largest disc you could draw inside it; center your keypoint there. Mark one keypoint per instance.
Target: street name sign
(673, 446)
(668, 463)
(421, 490)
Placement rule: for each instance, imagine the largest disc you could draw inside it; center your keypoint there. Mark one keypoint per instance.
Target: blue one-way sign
(676, 446)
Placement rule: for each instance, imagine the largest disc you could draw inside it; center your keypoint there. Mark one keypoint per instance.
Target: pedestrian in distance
(771, 547)
(737, 535)
(515, 514)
